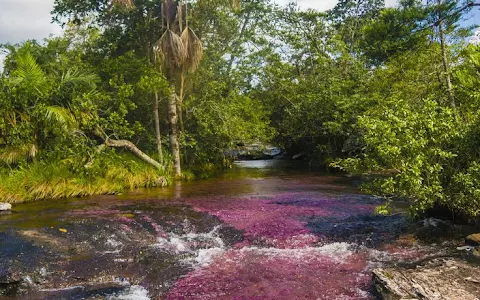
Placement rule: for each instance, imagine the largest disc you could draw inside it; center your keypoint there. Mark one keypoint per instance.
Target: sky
(30, 19)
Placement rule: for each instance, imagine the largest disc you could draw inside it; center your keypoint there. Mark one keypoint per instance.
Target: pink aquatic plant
(253, 273)
(278, 220)
(158, 228)
(280, 258)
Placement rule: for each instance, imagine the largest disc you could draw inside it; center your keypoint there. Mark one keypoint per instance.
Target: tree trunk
(446, 68)
(134, 149)
(180, 101)
(173, 118)
(237, 43)
(180, 109)
(157, 129)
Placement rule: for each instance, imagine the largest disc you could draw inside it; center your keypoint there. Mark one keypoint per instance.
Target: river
(264, 230)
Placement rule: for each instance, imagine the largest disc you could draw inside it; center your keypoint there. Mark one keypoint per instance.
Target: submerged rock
(5, 206)
(473, 239)
(446, 278)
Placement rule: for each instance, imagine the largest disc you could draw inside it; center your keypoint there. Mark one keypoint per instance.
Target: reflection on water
(272, 167)
(260, 164)
(263, 230)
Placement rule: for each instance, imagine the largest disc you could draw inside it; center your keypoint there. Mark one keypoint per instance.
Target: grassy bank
(51, 179)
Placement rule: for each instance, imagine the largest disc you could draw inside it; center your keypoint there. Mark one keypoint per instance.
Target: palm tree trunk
(180, 100)
(180, 110)
(173, 118)
(157, 129)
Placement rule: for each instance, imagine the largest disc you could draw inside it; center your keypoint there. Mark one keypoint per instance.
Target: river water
(264, 230)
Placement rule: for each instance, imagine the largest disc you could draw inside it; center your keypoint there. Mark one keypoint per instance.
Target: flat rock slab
(5, 206)
(437, 279)
(473, 239)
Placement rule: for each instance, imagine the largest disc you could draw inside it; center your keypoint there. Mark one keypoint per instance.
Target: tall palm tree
(178, 51)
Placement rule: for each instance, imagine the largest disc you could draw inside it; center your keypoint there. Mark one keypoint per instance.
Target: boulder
(473, 239)
(5, 206)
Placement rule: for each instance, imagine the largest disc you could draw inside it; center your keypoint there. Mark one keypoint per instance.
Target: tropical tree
(37, 106)
(158, 31)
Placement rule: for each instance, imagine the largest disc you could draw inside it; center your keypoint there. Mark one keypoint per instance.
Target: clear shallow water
(265, 230)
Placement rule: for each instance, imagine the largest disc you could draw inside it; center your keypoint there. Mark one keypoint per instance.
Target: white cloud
(21, 20)
(321, 5)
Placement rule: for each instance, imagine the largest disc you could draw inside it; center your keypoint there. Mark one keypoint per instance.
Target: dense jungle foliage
(135, 92)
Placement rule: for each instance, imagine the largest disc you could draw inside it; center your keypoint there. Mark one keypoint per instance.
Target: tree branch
(134, 149)
(467, 6)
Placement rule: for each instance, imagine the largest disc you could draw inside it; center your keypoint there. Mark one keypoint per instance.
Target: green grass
(110, 174)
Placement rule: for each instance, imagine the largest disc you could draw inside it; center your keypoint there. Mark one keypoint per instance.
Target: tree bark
(157, 129)
(134, 149)
(180, 100)
(446, 68)
(180, 109)
(174, 143)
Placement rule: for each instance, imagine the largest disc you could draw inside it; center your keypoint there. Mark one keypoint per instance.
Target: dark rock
(473, 239)
(7, 276)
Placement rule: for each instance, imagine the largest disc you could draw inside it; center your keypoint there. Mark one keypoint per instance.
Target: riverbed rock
(5, 206)
(8, 277)
(473, 239)
(445, 278)
(476, 252)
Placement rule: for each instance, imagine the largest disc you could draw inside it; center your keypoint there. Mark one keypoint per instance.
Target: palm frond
(77, 77)
(193, 49)
(10, 117)
(61, 116)
(170, 50)
(14, 154)
(29, 75)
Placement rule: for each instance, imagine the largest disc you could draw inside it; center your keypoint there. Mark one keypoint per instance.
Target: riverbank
(50, 180)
